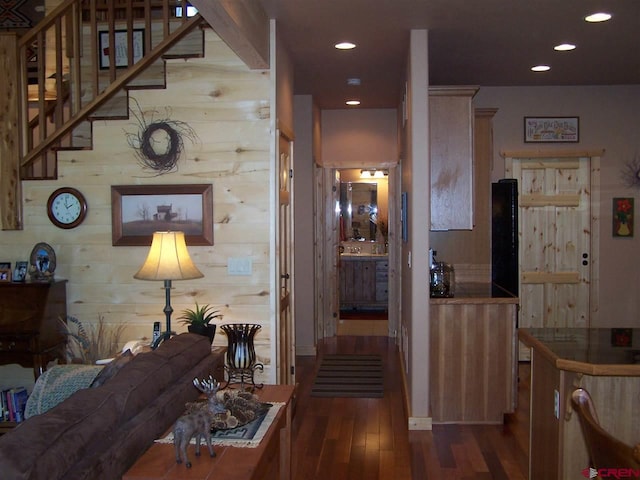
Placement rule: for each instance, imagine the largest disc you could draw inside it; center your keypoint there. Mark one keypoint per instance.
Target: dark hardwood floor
(368, 439)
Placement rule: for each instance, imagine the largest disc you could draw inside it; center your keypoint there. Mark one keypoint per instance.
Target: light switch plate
(239, 266)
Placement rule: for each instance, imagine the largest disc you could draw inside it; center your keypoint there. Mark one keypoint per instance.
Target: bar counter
(602, 361)
(590, 351)
(473, 362)
(476, 293)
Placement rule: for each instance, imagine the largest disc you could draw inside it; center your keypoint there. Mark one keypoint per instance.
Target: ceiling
(471, 42)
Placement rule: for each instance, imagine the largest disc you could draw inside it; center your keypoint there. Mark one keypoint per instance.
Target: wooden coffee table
(270, 460)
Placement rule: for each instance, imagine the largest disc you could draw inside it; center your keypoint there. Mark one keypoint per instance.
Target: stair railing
(67, 68)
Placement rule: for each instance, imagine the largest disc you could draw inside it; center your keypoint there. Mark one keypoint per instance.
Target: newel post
(10, 186)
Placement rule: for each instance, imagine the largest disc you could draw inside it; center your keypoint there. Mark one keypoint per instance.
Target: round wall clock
(67, 207)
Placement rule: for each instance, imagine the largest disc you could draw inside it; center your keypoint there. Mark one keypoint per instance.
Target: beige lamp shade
(168, 259)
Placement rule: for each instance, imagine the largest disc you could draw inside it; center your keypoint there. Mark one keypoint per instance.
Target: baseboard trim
(420, 423)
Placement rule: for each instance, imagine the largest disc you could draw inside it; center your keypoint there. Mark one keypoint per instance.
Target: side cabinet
(30, 316)
(451, 144)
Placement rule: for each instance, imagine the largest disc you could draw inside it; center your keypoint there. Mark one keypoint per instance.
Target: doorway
(363, 266)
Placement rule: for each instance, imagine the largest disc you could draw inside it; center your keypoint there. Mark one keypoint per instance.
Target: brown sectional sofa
(98, 433)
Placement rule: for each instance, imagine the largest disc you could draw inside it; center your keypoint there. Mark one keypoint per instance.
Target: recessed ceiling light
(345, 45)
(564, 47)
(352, 102)
(353, 81)
(598, 17)
(541, 68)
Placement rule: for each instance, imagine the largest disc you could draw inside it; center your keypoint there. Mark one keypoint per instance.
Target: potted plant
(197, 320)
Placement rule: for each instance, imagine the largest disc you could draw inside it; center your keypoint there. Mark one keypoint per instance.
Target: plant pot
(206, 330)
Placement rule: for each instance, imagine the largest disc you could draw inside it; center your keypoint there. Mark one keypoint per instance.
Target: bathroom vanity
(364, 281)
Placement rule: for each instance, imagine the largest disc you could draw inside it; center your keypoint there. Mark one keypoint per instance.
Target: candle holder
(241, 354)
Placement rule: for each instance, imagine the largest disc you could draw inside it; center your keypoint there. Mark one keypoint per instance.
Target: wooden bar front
(557, 449)
(270, 460)
(473, 356)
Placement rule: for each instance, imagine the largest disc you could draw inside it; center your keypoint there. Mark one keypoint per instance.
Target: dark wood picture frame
(139, 210)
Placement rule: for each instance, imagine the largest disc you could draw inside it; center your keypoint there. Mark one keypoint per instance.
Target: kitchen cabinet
(451, 147)
(363, 282)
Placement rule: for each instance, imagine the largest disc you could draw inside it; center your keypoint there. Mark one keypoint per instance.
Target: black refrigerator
(504, 235)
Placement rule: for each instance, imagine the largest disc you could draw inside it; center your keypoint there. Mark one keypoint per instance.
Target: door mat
(363, 315)
(349, 376)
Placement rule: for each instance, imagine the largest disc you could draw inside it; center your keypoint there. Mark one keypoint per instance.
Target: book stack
(13, 402)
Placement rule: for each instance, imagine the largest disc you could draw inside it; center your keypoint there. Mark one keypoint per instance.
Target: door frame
(285, 297)
(327, 282)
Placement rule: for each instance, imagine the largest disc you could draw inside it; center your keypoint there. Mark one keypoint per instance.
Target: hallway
(368, 439)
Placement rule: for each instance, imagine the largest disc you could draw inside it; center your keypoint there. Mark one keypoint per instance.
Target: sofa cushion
(46, 446)
(98, 432)
(141, 431)
(148, 374)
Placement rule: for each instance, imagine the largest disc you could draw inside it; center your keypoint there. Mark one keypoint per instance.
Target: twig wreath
(159, 143)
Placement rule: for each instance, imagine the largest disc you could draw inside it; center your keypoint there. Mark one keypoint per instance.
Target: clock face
(66, 208)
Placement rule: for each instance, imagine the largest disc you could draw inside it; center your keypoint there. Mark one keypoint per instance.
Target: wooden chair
(605, 451)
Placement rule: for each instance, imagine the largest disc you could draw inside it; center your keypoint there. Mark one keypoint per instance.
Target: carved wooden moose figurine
(197, 423)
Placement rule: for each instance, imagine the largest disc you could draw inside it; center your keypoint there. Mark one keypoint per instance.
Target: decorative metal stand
(241, 354)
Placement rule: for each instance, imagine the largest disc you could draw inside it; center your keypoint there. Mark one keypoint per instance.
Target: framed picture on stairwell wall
(121, 49)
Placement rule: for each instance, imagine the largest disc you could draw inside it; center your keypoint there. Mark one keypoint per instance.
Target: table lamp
(168, 260)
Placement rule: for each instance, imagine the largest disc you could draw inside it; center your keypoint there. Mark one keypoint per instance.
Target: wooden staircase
(62, 75)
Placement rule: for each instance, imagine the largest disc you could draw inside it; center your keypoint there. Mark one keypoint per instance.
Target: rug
(349, 376)
(363, 315)
(246, 436)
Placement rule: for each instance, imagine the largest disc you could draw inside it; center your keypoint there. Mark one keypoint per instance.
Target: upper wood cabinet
(451, 143)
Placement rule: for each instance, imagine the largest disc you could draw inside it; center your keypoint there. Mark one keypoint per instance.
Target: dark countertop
(587, 350)
(476, 292)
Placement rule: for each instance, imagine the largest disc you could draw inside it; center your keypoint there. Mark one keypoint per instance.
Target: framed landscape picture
(137, 211)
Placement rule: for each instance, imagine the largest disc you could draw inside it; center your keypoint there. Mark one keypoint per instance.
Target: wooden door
(555, 236)
(286, 333)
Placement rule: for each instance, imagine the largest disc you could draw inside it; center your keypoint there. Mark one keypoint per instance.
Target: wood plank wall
(227, 105)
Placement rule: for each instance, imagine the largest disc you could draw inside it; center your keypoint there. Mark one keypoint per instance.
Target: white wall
(609, 120)
(303, 181)
(359, 138)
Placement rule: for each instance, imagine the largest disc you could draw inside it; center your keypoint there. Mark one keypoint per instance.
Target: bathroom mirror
(358, 211)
